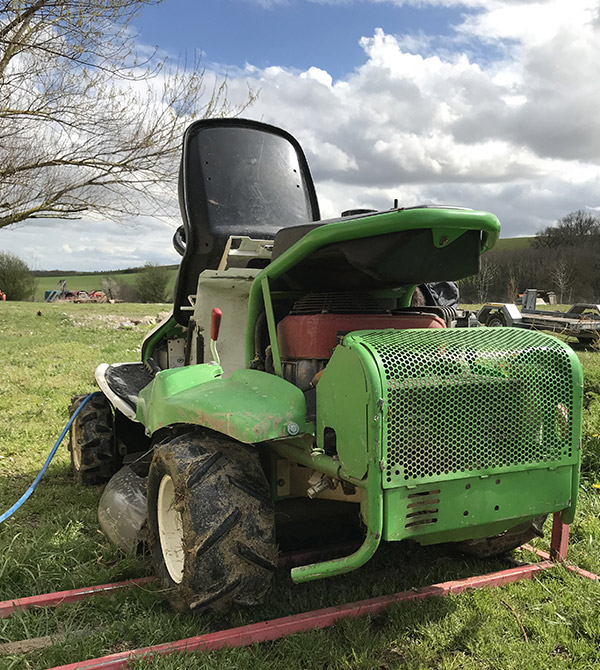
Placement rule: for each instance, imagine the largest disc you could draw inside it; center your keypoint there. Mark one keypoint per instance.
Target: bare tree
(484, 279)
(512, 288)
(562, 276)
(87, 124)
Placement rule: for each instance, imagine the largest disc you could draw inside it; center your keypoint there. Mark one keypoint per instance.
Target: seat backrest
(237, 177)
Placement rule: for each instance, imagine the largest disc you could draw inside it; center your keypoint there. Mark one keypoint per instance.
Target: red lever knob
(215, 323)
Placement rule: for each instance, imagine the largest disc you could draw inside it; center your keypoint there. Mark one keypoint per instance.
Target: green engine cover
(479, 428)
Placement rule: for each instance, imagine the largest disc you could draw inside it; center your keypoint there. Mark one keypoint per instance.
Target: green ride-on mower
(331, 393)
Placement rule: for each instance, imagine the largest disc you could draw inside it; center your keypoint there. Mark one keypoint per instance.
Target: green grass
(511, 243)
(53, 543)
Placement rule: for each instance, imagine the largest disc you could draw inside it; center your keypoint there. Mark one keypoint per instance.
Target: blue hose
(31, 489)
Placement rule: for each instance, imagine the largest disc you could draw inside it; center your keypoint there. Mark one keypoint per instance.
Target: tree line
(564, 258)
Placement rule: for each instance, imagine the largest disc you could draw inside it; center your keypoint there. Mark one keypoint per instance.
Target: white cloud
(519, 134)
(319, 75)
(88, 244)
(516, 132)
(532, 24)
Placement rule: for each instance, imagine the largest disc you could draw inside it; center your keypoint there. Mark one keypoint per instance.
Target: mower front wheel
(210, 523)
(94, 458)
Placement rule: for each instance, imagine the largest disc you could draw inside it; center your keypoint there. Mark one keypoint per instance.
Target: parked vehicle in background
(581, 320)
(62, 293)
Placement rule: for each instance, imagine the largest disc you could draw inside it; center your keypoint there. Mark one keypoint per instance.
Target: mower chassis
(201, 395)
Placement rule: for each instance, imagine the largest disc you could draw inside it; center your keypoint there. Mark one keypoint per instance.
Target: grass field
(53, 543)
(511, 243)
(88, 282)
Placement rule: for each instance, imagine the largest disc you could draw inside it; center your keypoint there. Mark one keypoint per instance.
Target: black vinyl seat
(237, 177)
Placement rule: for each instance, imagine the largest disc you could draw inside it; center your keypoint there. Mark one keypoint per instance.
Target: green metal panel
(250, 406)
(475, 401)
(484, 420)
(342, 402)
(474, 507)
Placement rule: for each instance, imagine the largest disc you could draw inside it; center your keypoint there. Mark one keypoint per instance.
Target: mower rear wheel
(94, 458)
(497, 545)
(211, 526)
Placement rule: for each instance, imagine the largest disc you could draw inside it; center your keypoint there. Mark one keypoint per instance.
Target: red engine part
(315, 335)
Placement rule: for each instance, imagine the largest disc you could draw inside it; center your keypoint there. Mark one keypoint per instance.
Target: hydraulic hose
(31, 489)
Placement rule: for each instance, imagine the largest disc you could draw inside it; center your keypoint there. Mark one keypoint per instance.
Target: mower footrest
(122, 383)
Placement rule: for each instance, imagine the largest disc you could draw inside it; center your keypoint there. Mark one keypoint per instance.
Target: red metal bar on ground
(559, 542)
(307, 621)
(568, 566)
(9, 607)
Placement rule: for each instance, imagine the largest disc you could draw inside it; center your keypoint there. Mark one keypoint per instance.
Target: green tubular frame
(372, 484)
(168, 328)
(446, 226)
(271, 325)
(302, 453)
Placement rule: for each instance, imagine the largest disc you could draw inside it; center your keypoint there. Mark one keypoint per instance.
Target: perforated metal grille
(338, 303)
(469, 400)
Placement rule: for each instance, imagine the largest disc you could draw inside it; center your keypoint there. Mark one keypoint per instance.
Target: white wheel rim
(170, 530)
(75, 451)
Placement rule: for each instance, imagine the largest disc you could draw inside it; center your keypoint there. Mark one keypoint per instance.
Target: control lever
(215, 324)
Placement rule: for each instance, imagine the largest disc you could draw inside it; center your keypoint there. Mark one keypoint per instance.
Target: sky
(477, 103)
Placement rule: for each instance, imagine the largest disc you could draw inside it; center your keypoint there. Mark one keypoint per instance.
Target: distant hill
(510, 243)
(61, 274)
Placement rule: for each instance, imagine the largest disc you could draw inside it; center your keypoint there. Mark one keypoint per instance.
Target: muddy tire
(504, 542)
(211, 527)
(94, 458)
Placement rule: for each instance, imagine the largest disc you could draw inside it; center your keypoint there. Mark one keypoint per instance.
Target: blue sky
(490, 104)
(296, 34)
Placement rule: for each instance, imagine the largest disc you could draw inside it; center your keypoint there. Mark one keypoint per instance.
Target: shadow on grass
(53, 543)
(406, 634)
